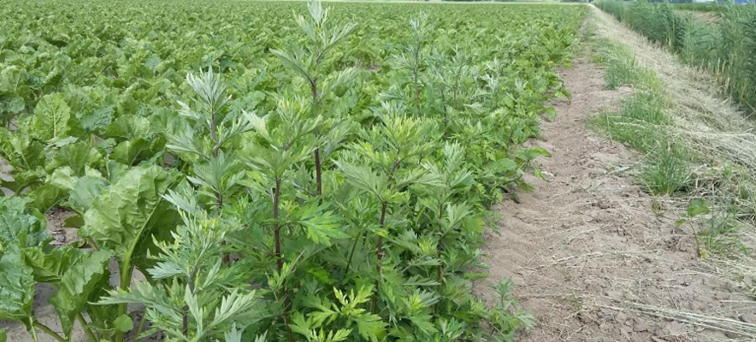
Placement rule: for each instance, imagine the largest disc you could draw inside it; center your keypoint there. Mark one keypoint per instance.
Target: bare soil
(585, 246)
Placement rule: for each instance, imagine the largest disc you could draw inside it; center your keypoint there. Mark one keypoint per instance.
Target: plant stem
(318, 174)
(218, 195)
(416, 71)
(46, 329)
(141, 327)
(318, 166)
(456, 86)
(125, 283)
(277, 229)
(84, 326)
(279, 258)
(379, 254)
(695, 236)
(33, 331)
(185, 318)
(212, 132)
(219, 200)
(440, 244)
(351, 254)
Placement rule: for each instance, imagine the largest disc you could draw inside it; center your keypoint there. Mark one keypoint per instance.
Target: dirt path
(585, 244)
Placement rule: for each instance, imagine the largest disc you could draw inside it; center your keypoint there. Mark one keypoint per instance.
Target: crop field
(274, 171)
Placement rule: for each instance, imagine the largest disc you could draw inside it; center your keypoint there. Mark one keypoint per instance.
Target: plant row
(317, 182)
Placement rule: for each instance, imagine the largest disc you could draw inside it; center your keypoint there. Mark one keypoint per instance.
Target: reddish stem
(318, 174)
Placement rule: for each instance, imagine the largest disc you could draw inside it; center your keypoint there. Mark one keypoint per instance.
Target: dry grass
(722, 139)
(703, 118)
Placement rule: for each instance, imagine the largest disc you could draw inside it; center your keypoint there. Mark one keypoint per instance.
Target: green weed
(667, 172)
(720, 235)
(727, 48)
(635, 124)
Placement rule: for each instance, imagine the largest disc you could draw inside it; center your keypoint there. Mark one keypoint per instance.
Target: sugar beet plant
(322, 181)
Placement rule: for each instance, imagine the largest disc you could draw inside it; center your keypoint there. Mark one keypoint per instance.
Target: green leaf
(11, 79)
(63, 178)
(126, 215)
(370, 326)
(508, 101)
(697, 207)
(16, 285)
(130, 151)
(321, 226)
(75, 221)
(423, 322)
(362, 178)
(537, 172)
(19, 227)
(97, 119)
(123, 323)
(46, 197)
(507, 165)
(49, 268)
(3, 335)
(12, 104)
(550, 113)
(20, 151)
(533, 152)
(51, 116)
(85, 191)
(77, 156)
(128, 127)
(81, 279)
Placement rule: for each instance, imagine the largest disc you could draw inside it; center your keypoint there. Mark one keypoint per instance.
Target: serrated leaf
(321, 226)
(507, 165)
(370, 326)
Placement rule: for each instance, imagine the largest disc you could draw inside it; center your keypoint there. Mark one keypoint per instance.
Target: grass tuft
(667, 171)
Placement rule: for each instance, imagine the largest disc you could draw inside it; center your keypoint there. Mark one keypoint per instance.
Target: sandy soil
(584, 248)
